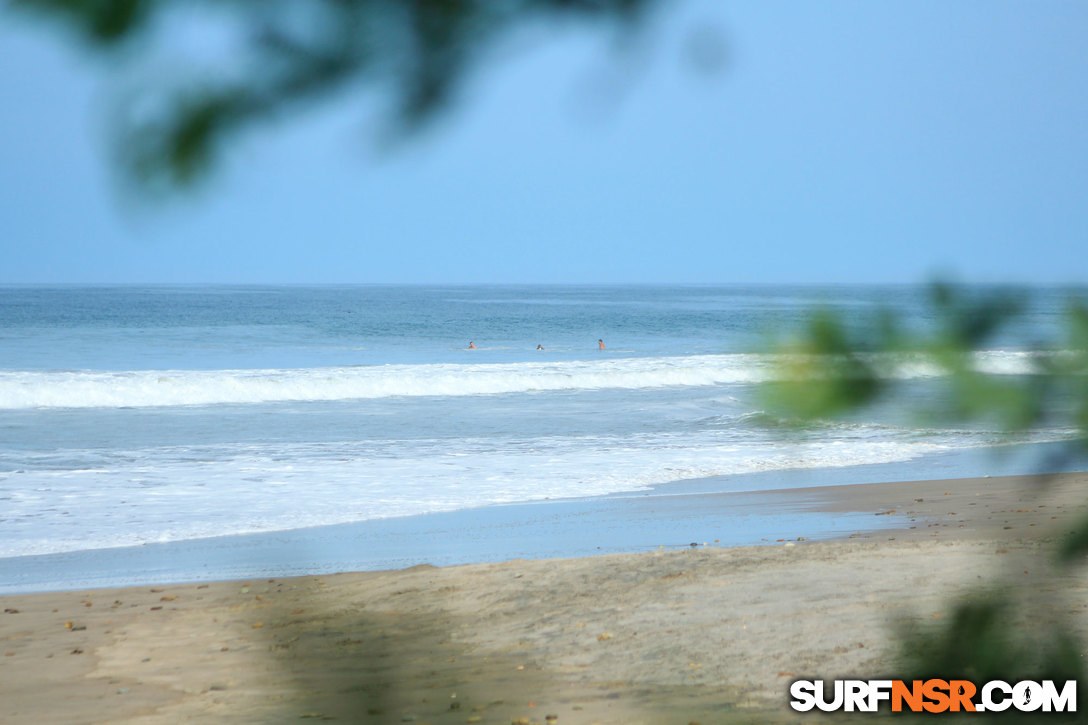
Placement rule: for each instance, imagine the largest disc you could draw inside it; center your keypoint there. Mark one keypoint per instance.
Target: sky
(839, 142)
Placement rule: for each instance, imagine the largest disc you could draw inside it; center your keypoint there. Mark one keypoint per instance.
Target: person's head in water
(472, 346)
(600, 344)
(539, 347)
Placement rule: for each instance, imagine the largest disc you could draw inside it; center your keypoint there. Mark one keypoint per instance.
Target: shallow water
(132, 415)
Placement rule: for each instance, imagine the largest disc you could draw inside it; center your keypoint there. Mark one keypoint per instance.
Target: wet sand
(705, 634)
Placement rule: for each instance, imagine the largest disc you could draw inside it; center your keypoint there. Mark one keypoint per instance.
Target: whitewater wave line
(150, 388)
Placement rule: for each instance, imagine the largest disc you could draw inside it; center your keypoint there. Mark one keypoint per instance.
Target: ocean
(138, 414)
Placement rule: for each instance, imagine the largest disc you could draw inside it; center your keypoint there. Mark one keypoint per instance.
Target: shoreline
(737, 510)
(559, 529)
(711, 634)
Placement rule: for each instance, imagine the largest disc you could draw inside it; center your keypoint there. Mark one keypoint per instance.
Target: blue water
(132, 415)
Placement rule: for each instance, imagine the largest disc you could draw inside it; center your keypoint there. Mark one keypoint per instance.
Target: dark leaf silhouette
(417, 52)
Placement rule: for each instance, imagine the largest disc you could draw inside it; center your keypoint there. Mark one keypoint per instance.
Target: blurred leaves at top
(841, 363)
(284, 53)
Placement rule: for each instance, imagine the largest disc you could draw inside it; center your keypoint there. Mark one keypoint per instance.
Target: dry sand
(703, 635)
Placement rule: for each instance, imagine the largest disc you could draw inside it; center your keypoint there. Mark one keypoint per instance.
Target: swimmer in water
(539, 347)
(600, 344)
(472, 346)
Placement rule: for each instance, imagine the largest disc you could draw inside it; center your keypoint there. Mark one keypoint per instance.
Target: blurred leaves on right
(840, 363)
(843, 362)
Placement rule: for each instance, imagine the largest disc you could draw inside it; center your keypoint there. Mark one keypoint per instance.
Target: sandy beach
(698, 634)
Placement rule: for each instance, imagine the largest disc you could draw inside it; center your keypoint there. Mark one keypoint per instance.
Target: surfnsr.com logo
(933, 696)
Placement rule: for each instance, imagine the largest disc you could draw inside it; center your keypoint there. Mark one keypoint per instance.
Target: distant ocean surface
(140, 414)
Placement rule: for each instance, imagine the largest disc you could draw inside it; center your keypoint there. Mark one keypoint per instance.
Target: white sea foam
(158, 497)
(990, 362)
(170, 494)
(145, 388)
(197, 387)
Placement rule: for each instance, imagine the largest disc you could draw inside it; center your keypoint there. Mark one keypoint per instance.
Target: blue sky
(842, 142)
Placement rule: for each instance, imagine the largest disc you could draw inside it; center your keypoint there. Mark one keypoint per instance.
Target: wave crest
(149, 388)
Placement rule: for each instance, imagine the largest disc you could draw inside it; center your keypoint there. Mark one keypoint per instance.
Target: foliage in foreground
(840, 365)
(284, 54)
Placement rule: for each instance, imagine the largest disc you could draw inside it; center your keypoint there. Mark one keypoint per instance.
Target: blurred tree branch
(172, 131)
(839, 364)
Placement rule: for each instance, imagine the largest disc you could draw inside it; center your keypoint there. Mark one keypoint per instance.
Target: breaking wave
(147, 388)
